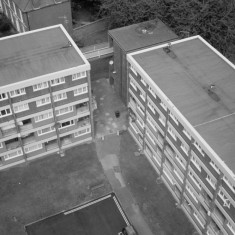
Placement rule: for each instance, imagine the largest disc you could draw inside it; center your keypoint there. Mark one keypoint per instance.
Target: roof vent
(146, 27)
(169, 51)
(212, 94)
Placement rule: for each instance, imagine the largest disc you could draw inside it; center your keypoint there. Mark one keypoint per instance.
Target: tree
(212, 19)
(126, 12)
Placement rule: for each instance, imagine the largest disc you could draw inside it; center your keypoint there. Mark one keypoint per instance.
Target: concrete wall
(82, 32)
(51, 15)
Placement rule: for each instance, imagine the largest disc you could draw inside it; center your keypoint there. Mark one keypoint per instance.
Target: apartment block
(182, 115)
(45, 95)
(129, 39)
(28, 15)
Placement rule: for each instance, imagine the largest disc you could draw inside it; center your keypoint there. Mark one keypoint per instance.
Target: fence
(82, 32)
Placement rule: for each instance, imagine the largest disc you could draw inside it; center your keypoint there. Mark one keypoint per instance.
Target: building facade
(29, 15)
(131, 38)
(181, 114)
(45, 95)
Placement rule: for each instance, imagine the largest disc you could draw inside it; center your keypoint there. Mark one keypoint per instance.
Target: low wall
(84, 31)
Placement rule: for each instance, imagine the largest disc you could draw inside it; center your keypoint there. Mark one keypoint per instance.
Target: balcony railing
(12, 145)
(26, 127)
(83, 123)
(8, 132)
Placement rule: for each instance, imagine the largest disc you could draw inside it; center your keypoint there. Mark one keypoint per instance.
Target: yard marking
(86, 205)
(121, 211)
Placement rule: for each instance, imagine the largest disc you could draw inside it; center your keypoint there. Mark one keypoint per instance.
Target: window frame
(133, 70)
(60, 80)
(88, 130)
(83, 88)
(19, 153)
(76, 77)
(21, 92)
(7, 114)
(37, 88)
(42, 104)
(3, 98)
(58, 111)
(29, 151)
(60, 96)
(40, 120)
(72, 123)
(52, 128)
(25, 105)
(152, 92)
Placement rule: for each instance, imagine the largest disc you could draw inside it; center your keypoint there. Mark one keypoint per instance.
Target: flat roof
(36, 53)
(102, 216)
(31, 5)
(185, 76)
(141, 35)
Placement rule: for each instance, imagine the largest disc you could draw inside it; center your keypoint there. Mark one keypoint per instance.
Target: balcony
(82, 108)
(51, 145)
(29, 138)
(9, 130)
(66, 140)
(84, 121)
(12, 144)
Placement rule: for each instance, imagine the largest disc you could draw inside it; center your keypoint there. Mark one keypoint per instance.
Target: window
(181, 162)
(43, 101)
(192, 193)
(61, 96)
(150, 137)
(140, 109)
(141, 123)
(162, 119)
(163, 105)
(40, 86)
(152, 92)
(195, 180)
(169, 176)
(21, 16)
(199, 148)
(79, 75)
(132, 82)
(224, 198)
(66, 124)
(142, 95)
(231, 227)
(32, 148)
(133, 70)
(178, 175)
(46, 130)
(150, 105)
(185, 148)
(211, 181)
(13, 154)
(143, 81)
(57, 81)
(174, 118)
(187, 134)
(1, 145)
(17, 92)
(43, 117)
(82, 132)
(198, 219)
(21, 107)
(196, 163)
(229, 183)
(80, 90)
(3, 96)
(151, 122)
(134, 127)
(172, 133)
(5, 112)
(64, 111)
(216, 168)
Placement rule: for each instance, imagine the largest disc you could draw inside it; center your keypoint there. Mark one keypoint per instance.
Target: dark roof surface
(137, 36)
(101, 217)
(29, 5)
(185, 77)
(36, 53)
